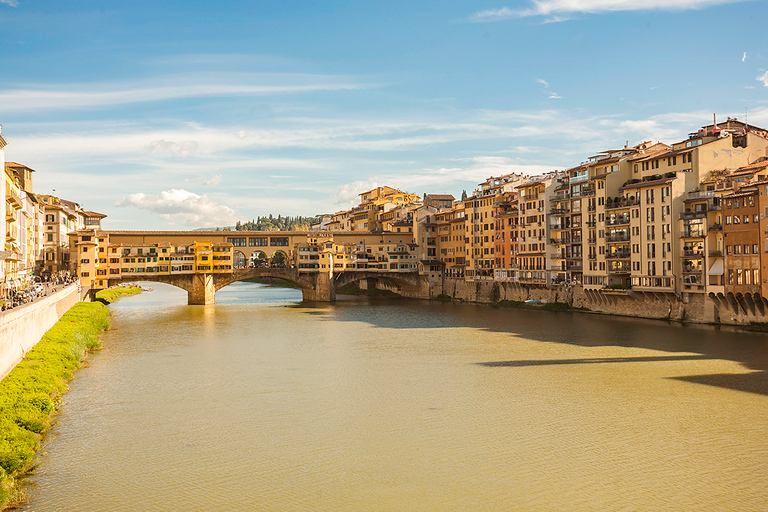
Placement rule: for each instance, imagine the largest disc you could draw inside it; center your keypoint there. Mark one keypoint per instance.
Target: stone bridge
(315, 286)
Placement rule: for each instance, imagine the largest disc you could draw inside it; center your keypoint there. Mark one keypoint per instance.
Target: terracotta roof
(15, 164)
(742, 193)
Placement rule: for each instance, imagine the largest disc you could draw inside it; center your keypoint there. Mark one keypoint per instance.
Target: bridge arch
(398, 283)
(257, 258)
(280, 258)
(201, 288)
(238, 259)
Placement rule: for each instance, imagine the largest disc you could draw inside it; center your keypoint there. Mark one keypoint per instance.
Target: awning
(716, 269)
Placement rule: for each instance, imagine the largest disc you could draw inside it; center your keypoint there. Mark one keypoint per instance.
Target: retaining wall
(697, 308)
(22, 327)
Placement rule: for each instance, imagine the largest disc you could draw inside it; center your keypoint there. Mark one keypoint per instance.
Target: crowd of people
(40, 287)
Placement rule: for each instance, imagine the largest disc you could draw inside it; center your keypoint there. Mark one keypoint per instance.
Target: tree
(463, 195)
(279, 258)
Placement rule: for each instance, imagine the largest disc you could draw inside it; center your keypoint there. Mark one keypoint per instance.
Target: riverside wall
(690, 307)
(22, 327)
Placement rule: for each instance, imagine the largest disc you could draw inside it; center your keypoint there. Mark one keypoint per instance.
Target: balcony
(591, 223)
(618, 255)
(619, 268)
(705, 194)
(10, 213)
(558, 241)
(621, 237)
(715, 254)
(579, 176)
(592, 240)
(691, 270)
(559, 212)
(12, 196)
(618, 221)
(693, 233)
(693, 254)
(575, 267)
(587, 192)
(693, 215)
(716, 227)
(560, 197)
(621, 204)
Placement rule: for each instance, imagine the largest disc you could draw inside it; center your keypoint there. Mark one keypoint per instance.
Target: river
(260, 402)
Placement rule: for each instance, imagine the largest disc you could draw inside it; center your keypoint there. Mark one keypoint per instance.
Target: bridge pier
(323, 289)
(203, 290)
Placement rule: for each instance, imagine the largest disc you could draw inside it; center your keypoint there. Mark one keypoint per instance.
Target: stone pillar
(203, 290)
(323, 291)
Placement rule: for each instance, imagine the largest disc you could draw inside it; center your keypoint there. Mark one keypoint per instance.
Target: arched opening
(238, 260)
(258, 259)
(279, 259)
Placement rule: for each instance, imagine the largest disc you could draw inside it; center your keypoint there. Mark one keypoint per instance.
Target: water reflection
(261, 402)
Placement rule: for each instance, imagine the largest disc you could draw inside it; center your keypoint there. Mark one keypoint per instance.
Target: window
(278, 241)
(50, 237)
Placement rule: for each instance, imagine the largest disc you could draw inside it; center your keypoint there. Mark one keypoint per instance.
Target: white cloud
(763, 78)
(744, 57)
(12, 3)
(77, 96)
(178, 206)
(555, 7)
(349, 194)
(552, 94)
(162, 146)
(213, 181)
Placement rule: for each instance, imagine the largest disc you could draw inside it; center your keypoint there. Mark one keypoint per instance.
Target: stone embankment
(687, 307)
(23, 326)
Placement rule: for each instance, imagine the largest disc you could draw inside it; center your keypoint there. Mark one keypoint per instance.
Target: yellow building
(13, 253)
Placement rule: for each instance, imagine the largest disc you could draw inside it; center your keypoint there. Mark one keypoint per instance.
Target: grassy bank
(112, 294)
(31, 393)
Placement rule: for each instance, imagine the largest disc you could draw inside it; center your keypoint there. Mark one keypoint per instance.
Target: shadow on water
(574, 328)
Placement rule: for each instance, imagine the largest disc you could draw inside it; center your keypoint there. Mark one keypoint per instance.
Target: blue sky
(174, 115)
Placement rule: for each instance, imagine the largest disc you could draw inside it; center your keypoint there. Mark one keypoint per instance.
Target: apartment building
(534, 241)
(451, 242)
(742, 238)
(13, 253)
(506, 218)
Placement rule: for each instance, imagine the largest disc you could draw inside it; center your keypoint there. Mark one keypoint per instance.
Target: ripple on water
(261, 403)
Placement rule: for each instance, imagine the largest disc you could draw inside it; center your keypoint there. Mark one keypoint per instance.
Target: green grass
(31, 393)
(110, 295)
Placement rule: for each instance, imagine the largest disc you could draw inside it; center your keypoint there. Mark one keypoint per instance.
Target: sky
(180, 115)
